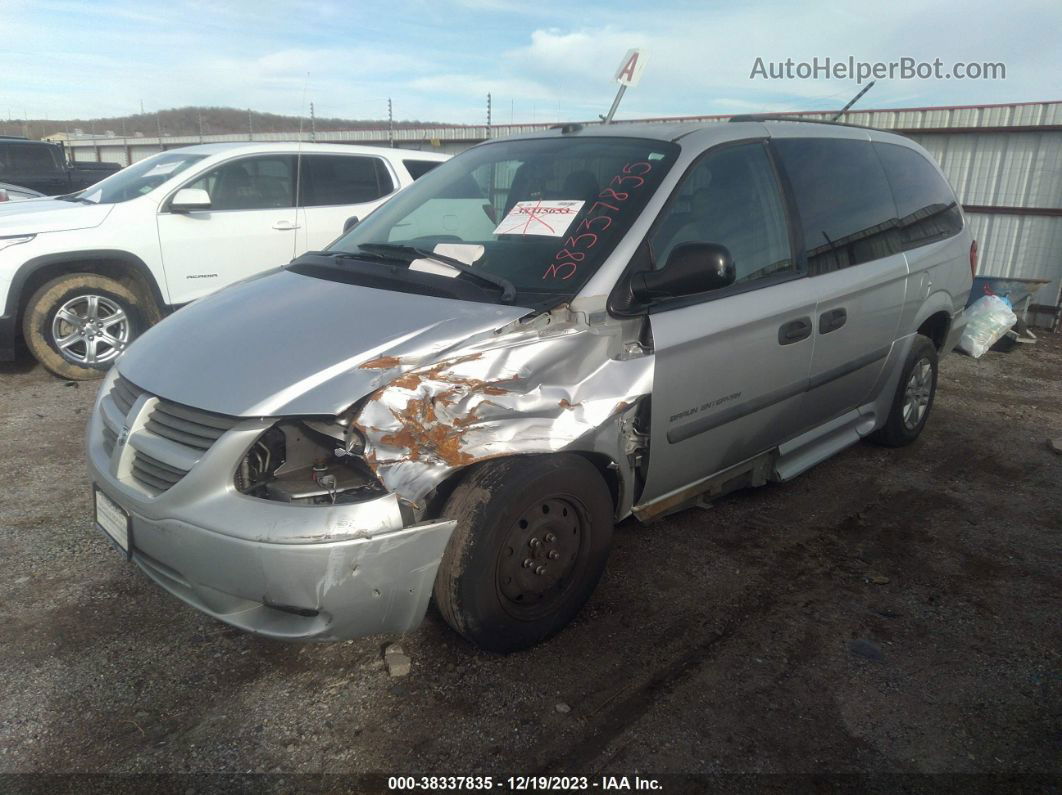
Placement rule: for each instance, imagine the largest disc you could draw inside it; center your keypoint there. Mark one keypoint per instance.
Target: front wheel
(532, 537)
(914, 396)
(77, 325)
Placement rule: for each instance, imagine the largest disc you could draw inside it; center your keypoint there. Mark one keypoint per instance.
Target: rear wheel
(532, 537)
(76, 325)
(914, 396)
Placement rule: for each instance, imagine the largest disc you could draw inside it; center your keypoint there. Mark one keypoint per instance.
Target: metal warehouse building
(1005, 162)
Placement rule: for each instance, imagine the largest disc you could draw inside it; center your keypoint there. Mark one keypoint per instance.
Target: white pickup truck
(82, 275)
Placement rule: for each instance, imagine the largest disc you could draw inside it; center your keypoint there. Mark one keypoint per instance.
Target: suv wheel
(532, 536)
(78, 324)
(914, 396)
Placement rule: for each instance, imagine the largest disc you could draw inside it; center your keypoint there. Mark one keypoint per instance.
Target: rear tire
(532, 538)
(914, 396)
(76, 325)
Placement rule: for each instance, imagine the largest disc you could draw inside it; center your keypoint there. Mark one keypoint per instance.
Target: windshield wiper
(73, 197)
(507, 287)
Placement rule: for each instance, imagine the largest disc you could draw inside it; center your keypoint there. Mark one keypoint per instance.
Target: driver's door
(250, 227)
(731, 365)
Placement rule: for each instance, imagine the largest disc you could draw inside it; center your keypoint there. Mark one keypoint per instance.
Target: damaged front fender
(558, 385)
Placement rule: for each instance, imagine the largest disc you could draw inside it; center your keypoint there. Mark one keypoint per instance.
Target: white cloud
(440, 59)
(701, 58)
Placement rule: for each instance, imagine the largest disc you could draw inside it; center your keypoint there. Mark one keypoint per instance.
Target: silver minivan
(541, 337)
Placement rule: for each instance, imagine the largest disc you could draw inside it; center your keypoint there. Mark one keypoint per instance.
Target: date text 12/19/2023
(523, 783)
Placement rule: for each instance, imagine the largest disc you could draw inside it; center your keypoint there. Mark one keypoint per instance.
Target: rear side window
(925, 204)
(418, 168)
(343, 179)
(28, 158)
(846, 210)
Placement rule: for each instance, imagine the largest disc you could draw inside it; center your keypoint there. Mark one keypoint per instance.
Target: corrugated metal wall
(1018, 169)
(1022, 246)
(1017, 115)
(1001, 170)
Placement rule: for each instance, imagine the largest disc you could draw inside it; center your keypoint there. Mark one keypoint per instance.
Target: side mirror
(188, 199)
(350, 223)
(691, 268)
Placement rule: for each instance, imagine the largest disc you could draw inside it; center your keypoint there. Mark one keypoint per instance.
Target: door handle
(285, 226)
(794, 331)
(832, 320)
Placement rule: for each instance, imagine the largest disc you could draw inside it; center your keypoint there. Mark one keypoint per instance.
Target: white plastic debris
(987, 320)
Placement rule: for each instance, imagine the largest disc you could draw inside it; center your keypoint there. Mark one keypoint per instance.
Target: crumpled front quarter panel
(533, 393)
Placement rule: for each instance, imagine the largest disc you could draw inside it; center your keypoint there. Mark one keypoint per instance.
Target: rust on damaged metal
(520, 392)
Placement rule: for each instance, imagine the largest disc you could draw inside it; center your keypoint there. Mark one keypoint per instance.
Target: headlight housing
(310, 461)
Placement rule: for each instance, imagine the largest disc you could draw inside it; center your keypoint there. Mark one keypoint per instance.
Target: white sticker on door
(548, 218)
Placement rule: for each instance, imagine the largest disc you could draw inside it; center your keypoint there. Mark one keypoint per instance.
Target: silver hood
(287, 344)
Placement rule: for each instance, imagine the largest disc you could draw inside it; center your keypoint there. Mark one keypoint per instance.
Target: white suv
(82, 275)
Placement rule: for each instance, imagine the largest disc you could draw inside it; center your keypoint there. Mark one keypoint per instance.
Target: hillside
(185, 121)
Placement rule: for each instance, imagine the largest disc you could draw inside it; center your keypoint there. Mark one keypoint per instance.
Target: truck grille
(110, 439)
(190, 427)
(124, 395)
(155, 474)
(194, 430)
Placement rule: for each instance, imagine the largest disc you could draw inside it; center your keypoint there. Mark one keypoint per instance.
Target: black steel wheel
(538, 558)
(531, 542)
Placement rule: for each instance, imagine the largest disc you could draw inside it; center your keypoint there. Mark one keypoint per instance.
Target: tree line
(193, 121)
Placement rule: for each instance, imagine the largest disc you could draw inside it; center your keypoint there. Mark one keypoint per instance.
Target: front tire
(76, 325)
(532, 538)
(914, 396)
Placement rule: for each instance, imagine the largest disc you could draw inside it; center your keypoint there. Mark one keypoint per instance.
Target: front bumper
(284, 571)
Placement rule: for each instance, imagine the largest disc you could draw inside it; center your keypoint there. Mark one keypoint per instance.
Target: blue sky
(542, 60)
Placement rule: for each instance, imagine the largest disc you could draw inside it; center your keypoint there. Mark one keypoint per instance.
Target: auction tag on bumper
(112, 519)
(548, 218)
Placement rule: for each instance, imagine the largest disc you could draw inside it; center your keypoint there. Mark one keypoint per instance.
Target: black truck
(42, 166)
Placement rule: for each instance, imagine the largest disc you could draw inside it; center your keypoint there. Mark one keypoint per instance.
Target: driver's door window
(731, 197)
(253, 183)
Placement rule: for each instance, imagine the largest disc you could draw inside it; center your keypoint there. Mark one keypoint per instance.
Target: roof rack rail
(15, 137)
(786, 117)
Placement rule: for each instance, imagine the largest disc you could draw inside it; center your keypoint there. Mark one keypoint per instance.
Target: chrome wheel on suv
(76, 325)
(90, 329)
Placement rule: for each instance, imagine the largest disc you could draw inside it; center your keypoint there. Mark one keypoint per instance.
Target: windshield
(540, 214)
(138, 179)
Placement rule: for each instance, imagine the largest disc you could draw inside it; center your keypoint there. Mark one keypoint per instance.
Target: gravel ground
(890, 611)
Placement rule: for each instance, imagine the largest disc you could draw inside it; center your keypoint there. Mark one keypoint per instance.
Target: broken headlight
(308, 461)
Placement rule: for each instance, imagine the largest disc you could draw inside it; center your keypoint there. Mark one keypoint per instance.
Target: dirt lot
(889, 611)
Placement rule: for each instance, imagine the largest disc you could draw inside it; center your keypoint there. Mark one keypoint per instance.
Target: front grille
(155, 474)
(124, 395)
(187, 426)
(110, 439)
(192, 429)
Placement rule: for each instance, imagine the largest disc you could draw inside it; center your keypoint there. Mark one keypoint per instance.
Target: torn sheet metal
(527, 392)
